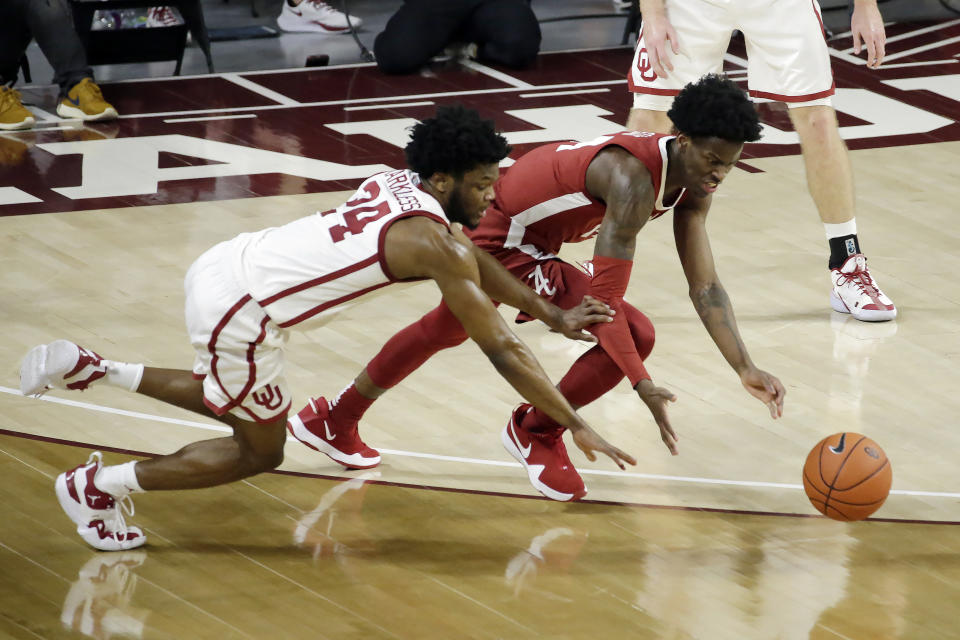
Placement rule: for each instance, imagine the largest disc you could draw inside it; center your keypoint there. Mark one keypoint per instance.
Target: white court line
(908, 34)
(918, 64)
(498, 75)
(250, 85)
(852, 59)
(932, 45)
(62, 127)
(203, 118)
(395, 105)
(735, 59)
(46, 116)
(563, 93)
(329, 103)
(496, 463)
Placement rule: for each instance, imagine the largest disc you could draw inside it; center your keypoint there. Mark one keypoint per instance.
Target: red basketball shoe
(97, 514)
(544, 457)
(314, 427)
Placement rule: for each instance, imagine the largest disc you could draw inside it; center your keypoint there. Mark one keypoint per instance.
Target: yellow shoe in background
(85, 101)
(13, 115)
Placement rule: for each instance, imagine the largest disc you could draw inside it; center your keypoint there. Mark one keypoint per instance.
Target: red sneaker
(314, 428)
(544, 457)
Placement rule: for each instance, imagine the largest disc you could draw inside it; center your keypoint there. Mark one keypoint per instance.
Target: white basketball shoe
(97, 514)
(855, 292)
(315, 16)
(60, 364)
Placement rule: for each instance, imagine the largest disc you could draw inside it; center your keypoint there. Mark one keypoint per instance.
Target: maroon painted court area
(356, 116)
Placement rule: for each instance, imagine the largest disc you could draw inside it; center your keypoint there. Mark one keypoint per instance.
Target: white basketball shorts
(239, 350)
(787, 57)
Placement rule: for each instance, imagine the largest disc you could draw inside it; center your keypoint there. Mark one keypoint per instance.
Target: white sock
(848, 228)
(118, 480)
(125, 375)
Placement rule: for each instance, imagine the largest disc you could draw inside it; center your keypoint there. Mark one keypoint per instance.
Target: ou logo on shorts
(643, 66)
(268, 397)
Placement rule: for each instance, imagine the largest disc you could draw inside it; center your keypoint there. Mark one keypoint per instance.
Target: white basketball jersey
(301, 270)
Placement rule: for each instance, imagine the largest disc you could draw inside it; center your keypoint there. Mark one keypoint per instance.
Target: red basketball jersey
(542, 201)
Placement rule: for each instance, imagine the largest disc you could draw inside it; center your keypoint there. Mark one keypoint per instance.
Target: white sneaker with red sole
(855, 292)
(314, 427)
(97, 514)
(545, 458)
(60, 364)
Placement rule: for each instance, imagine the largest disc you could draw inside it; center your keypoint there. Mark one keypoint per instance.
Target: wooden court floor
(446, 539)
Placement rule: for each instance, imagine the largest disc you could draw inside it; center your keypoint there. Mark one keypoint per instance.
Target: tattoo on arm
(713, 307)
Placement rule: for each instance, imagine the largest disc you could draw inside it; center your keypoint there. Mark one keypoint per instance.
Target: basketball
(847, 476)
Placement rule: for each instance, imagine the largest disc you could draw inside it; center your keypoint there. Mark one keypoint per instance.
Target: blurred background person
(504, 32)
(51, 23)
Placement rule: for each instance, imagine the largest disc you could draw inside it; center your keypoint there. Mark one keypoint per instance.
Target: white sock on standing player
(848, 228)
(119, 480)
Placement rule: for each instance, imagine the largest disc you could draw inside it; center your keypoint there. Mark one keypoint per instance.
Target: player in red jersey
(606, 189)
(243, 294)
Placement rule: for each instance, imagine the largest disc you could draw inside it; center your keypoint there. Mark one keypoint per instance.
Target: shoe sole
(59, 355)
(66, 111)
(864, 315)
(534, 470)
(351, 461)
(294, 25)
(32, 379)
(26, 124)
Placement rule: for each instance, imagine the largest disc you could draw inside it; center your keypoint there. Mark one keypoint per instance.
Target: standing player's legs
(789, 61)
(703, 29)
(830, 181)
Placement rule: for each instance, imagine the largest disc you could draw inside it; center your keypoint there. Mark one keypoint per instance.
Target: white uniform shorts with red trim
(239, 350)
(787, 56)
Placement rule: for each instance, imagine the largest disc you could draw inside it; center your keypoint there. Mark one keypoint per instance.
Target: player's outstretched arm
(713, 305)
(623, 183)
(503, 286)
(420, 248)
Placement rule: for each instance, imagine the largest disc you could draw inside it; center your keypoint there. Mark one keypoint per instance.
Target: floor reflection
(98, 602)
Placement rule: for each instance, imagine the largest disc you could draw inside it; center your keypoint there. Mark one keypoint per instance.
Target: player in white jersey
(788, 61)
(242, 296)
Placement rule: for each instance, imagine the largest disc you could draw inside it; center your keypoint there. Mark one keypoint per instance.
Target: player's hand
(656, 399)
(866, 25)
(590, 441)
(657, 32)
(589, 311)
(766, 388)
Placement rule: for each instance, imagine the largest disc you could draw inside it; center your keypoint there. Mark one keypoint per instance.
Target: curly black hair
(454, 141)
(714, 106)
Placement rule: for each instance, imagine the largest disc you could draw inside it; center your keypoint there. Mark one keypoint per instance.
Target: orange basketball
(847, 476)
